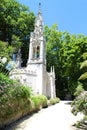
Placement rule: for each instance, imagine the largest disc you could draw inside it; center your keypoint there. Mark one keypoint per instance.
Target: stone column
(30, 50)
(41, 50)
(51, 83)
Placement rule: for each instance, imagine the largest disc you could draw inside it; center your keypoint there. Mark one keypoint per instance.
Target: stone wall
(26, 77)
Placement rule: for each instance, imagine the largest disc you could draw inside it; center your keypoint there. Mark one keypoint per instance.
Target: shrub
(79, 89)
(80, 105)
(21, 92)
(40, 101)
(54, 100)
(14, 97)
(4, 80)
(43, 99)
(37, 103)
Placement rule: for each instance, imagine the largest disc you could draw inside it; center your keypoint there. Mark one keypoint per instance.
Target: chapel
(35, 74)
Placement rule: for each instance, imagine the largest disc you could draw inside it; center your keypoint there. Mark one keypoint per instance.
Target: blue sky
(69, 15)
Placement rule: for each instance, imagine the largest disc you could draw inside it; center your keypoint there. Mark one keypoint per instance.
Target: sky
(69, 15)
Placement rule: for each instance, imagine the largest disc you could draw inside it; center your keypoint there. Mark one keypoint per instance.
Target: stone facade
(35, 74)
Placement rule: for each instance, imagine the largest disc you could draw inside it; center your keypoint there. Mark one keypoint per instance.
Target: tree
(5, 51)
(71, 55)
(53, 45)
(65, 51)
(5, 55)
(9, 14)
(83, 69)
(16, 24)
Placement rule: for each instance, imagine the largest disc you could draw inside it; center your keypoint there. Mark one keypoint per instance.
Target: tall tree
(16, 23)
(83, 67)
(65, 52)
(5, 51)
(53, 44)
(71, 55)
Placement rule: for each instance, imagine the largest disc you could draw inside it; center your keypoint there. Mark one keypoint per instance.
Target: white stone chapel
(35, 74)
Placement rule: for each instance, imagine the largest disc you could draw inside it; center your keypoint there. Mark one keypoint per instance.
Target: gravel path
(56, 117)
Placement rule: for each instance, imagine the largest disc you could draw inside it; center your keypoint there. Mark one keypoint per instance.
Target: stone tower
(37, 53)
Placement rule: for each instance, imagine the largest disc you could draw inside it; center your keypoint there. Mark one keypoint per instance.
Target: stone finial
(39, 3)
(39, 11)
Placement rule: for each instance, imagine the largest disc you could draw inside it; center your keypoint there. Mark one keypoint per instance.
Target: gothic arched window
(36, 52)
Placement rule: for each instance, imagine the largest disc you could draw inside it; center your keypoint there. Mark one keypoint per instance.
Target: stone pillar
(41, 50)
(30, 50)
(51, 83)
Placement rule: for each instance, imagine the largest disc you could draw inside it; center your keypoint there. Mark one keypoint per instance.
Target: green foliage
(54, 100)
(37, 103)
(84, 56)
(5, 83)
(16, 43)
(21, 92)
(43, 99)
(16, 24)
(84, 64)
(72, 58)
(80, 104)
(82, 124)
(83, 76)
(5, 50)
(53, 43)
(79, 89)
(18, 100)
(66, 52)
(40, 101)
(9, 14)
(14, 97)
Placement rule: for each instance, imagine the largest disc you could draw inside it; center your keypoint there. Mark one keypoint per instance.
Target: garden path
(56, 117)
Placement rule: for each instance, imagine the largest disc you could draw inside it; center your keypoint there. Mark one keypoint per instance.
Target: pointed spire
(39, 9)
(39, 19)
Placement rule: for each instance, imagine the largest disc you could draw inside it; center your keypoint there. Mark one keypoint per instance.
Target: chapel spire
(39, 9)
(39, 19)
(37, 49)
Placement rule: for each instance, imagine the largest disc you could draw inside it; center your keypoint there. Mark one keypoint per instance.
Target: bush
(79, 89)
(37, 103)
(43, 99)
(80, 105)
(14, 97)
(54, 100)
(40, 101)
(5, 81)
